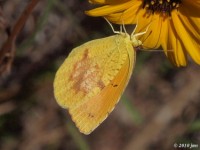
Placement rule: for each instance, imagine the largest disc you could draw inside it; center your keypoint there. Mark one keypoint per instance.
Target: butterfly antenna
(117, 32)
(141, 33)
(120, 28)
(135, 28)
(121, 19)
(124, 27)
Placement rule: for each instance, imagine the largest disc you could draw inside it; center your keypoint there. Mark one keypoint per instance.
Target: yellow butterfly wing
(94, 111)
(91, 80)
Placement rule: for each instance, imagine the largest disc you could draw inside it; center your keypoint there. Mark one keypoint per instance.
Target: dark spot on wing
(101, 84)
(90, 115)
(85, 55)
(114, 85)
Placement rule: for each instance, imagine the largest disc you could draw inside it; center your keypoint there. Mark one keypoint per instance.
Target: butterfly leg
(117, 32)
(135, 28)
(141, 33)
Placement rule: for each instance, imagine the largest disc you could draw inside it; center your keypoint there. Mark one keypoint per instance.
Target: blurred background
(160, 109)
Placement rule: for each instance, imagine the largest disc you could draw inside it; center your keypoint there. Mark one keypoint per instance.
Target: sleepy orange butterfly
(93, 77)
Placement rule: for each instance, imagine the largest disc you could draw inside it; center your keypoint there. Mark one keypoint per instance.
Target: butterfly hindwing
(91, 80)
(91, 113)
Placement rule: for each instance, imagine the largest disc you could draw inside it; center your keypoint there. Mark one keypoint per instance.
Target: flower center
(161, 6)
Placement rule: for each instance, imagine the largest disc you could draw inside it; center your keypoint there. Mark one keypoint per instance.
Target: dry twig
(7, 51)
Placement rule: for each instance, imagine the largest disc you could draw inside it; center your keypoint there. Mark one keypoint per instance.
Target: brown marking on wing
(85, 55)
(90, 115)
(101, 84)
(86, 75)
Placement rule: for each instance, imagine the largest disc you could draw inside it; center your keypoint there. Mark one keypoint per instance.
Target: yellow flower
(173, 24)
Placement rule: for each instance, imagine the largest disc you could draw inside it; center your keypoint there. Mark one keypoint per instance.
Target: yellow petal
(192, 47)
(108, 9)
(190, 8)
(164, 35)
(113, 2)
(191, 24)
(195, 22)
(151, 39)
(127, 17)
(171, 41)
(178, 56)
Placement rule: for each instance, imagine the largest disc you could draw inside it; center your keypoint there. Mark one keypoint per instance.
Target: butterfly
(93, 77)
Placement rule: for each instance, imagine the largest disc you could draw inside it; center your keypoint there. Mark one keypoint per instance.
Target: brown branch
(7, 51)
(45, 53)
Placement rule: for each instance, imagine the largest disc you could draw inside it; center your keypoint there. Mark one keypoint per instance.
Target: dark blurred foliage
(159, 109)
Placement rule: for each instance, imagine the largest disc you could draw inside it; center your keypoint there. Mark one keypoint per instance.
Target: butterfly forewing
(91, 80)
(87, 70)
(93, 111)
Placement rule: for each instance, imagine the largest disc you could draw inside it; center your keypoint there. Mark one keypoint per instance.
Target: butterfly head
(135, 41)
